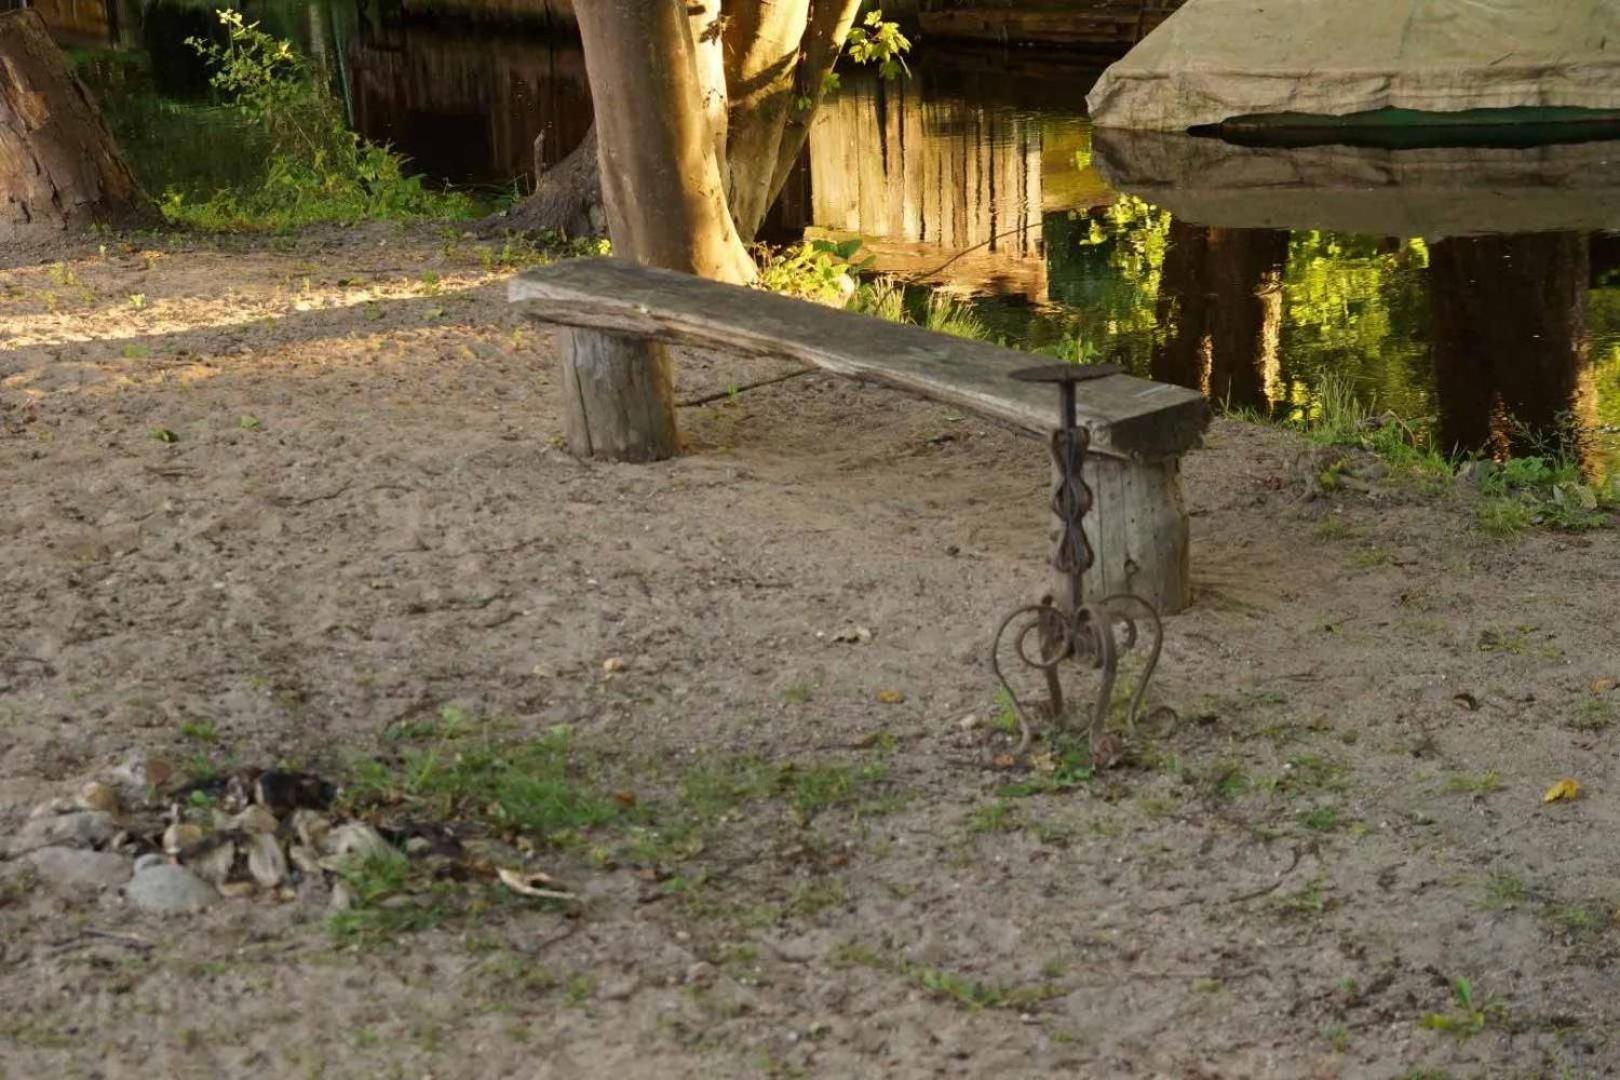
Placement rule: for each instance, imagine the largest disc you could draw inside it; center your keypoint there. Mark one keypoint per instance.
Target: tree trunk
(762, 52)
(567, 197)
(666, 205)
(59, 166)
(665, 199)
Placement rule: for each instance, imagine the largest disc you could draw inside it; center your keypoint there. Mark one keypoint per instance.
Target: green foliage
(1466, 1019)
(538, 787)
(878, 42)
(275, 153)
(945, 314)
(1549, 490)
(819, 270)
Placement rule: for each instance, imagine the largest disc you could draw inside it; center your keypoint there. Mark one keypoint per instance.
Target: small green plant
(995, 817)
(1474, 784)
(137, 300)
(1465, 1019)
(388, 897)
(797, 693)
(199, 731)
(1308, 902)
(1596, 713)
(1504, 891)
(882, 298)
(947, 315)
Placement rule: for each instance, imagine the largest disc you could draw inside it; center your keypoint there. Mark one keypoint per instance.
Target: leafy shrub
(313, 167)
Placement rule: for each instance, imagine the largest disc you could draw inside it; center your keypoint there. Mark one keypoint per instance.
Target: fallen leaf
(890, 697)
(613, 665)
(1045, 762)
(1564, 789)
(1603, 686)
(1003, 761)
(626, 799)
(532, 883)
(853, 635)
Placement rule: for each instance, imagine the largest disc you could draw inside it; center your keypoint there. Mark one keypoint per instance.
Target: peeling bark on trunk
(567, 197)
(59, 166)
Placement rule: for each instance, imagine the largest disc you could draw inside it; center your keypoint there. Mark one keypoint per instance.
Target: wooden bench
(1139, 429)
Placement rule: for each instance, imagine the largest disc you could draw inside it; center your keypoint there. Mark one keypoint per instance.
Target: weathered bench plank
(1139, 429)
(1128, 417)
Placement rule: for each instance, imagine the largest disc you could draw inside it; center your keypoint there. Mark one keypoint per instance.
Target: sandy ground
(1285, 883)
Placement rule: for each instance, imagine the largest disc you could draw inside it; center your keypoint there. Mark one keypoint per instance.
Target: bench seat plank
(1128, 417)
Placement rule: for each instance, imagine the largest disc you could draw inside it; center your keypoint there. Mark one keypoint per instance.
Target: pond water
(1478, 289)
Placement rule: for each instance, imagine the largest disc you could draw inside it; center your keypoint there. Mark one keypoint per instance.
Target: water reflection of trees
(1510, 340)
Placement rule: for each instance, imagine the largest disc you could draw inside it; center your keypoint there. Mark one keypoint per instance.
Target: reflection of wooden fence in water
(925, 181)
(470, 108)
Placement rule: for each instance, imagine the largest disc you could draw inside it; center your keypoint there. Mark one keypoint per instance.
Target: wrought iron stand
(1065, 626)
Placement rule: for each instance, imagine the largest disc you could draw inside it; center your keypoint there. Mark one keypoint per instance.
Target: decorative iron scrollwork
(1067, 628)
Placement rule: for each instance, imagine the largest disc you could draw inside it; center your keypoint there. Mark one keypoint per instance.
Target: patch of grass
(947, 985)
(1000, 816)
(1227, 780)
(974, 994)
(579, 988)
(1595, 713)
(1504, 891)
(882, 298)
(797, 694)
(1305, 774)
(391, 897)
(1474, 783)
(944, 314)
(1582, 921)
(1370, 558)
(540, 787)
(814, 897)
(205, 731)
(1309, 902)
(1323, 819)
(817, 788)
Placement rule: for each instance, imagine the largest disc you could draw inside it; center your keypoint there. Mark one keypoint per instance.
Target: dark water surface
(1477, 288)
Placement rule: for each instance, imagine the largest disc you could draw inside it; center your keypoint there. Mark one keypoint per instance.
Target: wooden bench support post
(1138, 531)
(618, 398)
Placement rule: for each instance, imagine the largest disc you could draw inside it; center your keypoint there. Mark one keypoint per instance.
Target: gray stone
(150, 859)
(266, 864)
(97, 796)
(77, 871)
(170, 890)
(85, 829)
(139, 775)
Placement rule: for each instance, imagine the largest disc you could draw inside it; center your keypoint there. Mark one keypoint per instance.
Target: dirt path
(362, 517)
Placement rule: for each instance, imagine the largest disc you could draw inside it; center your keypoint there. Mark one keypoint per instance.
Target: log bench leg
(1138, 530)
(618, 397)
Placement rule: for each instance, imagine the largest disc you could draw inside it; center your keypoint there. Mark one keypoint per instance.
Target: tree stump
(618, 397)
(59, 166)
